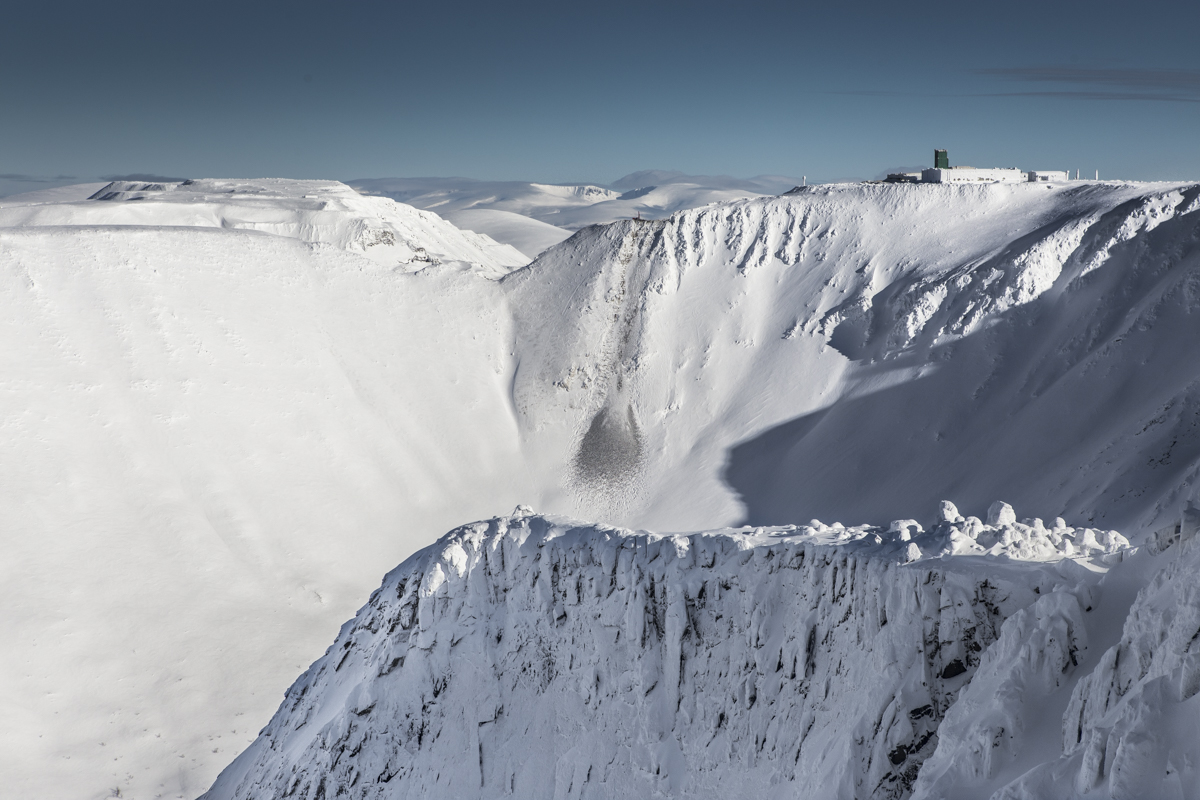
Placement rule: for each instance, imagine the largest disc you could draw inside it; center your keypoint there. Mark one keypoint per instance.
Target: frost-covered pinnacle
(953, 535)
(1001, 513)
(905, 529)
(948, 512)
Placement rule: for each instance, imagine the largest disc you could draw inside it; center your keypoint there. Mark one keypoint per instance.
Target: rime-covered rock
(535, 657)
(1132, 727)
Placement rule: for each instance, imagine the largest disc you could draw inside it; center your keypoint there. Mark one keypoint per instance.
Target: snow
(650, 194)
(538, 201)
(524, 233)
(541, 657)
(210, 435)
(1132, 727)
(313, 211)
(230, 406)
(776, 355)
(58, 194)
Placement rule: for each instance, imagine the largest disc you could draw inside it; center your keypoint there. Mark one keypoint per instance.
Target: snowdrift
(537, 657)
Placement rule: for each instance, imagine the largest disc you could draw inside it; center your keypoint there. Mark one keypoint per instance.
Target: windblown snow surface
(224, 428)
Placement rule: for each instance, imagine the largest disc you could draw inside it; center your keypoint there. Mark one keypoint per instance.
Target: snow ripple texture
(531, 656)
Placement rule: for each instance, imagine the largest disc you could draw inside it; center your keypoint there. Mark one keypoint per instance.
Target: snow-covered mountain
(223, 406)
(535, 657)
(327, 212)
(765, 360)
(534, 216)
(228, 413)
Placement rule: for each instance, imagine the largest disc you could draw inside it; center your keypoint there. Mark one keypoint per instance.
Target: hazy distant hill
(650, 194)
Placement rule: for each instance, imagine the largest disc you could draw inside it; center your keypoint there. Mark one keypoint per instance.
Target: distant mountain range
(535, 216)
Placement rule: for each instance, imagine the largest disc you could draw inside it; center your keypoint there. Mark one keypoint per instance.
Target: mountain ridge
(222, 435)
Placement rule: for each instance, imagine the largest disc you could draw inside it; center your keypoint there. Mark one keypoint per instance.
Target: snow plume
(536, 657)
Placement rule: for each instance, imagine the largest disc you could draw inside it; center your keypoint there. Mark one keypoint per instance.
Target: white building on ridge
(942, 172)
(973, 175)
(1047, 175)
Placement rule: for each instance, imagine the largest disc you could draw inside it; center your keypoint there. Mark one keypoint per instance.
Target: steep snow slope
(211, 436)
(1132, 728)
(871, 348)
(536, 657)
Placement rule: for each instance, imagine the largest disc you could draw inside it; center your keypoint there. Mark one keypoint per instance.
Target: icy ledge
(535, 657)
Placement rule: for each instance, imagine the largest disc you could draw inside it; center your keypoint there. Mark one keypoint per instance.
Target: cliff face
(534, 657)
(1132, 726)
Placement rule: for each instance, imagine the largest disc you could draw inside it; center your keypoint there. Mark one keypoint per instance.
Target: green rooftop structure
(941, 159)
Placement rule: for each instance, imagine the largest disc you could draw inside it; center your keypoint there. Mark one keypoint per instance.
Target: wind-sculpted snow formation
(230, 405)
(533, 656)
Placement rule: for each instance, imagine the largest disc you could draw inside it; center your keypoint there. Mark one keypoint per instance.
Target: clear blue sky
(561, 91)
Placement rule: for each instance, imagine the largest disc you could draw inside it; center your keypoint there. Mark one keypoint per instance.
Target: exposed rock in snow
(537, 657)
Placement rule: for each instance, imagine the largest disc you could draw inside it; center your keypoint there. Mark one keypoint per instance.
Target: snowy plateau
(231, 406)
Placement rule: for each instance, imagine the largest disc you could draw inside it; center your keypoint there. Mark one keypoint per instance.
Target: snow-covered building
(973, 175)
(942, 172)
(1048, 175)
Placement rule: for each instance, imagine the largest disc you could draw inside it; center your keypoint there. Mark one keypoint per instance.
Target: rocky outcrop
(535, 657)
